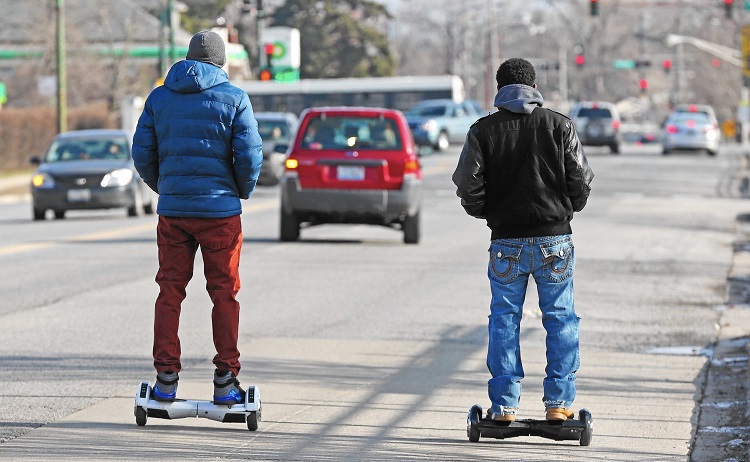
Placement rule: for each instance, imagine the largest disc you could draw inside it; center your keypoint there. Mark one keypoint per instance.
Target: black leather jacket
(524, 173)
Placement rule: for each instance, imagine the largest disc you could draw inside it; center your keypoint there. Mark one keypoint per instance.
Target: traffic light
(594, 7)
(643, 85)
(728, 7)
(666, 65)
(267, 72)
(580, 58)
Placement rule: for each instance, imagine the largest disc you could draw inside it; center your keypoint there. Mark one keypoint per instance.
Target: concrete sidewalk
(723, 420)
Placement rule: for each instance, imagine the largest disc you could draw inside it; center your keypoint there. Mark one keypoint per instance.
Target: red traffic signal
(268, 49)
(667, 65)
(265, 75)
(643, 84)
(728, 7)
(580, 60)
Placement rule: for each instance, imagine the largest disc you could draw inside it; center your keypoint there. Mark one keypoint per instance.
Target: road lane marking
(113, 234)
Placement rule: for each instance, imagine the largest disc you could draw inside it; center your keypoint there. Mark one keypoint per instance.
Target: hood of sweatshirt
(518, 98)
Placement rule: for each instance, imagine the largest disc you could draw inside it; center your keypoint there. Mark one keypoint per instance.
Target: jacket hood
(190, 76)
(518, 98)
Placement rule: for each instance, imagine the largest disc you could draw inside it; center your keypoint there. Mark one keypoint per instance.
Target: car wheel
(442, 141)
(59, 214)
(39, 214)
(148, 207)
(410, 226)
(135, 209)
(711, 152)
(665, 152)
(614, 148)
(289, 227)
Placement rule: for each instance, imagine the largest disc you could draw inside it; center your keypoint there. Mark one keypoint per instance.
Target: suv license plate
(79, 195)
(350, 173)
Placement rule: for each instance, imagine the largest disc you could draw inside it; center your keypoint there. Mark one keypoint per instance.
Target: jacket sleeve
(578, 174)
(146, 149)
(469, 177)
(247, 148)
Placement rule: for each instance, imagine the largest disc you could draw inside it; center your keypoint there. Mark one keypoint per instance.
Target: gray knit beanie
(207, 46)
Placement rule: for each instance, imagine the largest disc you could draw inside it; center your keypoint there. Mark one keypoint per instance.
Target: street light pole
(62, 103)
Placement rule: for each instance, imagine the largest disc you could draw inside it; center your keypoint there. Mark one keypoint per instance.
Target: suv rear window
(595, 113)
(350, 132)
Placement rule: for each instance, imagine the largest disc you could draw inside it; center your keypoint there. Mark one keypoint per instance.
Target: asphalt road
(365, 348)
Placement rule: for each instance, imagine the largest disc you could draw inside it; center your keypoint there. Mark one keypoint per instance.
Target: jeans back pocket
(505, 261)
(558, 259)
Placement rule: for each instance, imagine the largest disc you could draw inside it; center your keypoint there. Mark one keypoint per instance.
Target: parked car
(691, 130)
(439, 122)
(352, 165)
(597, 124)
(88, 169)
(277, 130)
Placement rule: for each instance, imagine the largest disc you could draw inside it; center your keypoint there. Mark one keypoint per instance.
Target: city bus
(388, 92)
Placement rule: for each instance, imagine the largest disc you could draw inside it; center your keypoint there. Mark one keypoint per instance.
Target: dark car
(597, 124)
(439, 122)
(352, 165)
(88, 169)
(277, 130)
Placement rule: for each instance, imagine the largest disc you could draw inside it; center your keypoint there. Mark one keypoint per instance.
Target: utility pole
(170, 16)
(260, 23)
(62, 99)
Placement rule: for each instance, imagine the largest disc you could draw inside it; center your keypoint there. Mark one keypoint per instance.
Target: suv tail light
(615, 124)
(671, 129)
(291, 164)
(411, 165)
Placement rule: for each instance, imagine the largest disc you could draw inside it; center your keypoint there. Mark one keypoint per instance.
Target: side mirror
(35, 160)
(281, 148)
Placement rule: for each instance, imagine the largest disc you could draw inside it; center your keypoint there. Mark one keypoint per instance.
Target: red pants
(220, 240)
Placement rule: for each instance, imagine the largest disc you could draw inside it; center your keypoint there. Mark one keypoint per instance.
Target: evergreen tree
(339, 38)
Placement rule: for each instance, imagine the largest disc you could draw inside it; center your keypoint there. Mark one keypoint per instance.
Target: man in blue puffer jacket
(197, 145)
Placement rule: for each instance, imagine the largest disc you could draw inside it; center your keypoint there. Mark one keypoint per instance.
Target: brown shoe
(559, 413)
(504, 417)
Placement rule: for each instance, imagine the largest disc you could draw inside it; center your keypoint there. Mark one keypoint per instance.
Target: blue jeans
(551, 260)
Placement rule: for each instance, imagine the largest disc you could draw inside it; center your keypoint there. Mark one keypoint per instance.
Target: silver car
(691, 130)
(277, 129)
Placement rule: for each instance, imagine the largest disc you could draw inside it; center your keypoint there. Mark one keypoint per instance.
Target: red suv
(352, 165)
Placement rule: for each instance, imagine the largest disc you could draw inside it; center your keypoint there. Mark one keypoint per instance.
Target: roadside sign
(745, 47)
(623, 64)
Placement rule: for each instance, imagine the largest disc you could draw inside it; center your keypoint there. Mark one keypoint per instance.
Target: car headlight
(121, 177)
(429, 126)
(43, 181)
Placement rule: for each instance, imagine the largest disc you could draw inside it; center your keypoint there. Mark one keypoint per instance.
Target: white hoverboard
(146, 407)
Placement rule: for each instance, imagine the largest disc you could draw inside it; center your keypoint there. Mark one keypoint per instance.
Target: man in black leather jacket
(523, 170)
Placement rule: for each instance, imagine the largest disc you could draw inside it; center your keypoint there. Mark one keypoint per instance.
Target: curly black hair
(515, 70)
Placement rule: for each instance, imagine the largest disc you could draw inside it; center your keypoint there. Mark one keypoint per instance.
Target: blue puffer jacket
(197, 143)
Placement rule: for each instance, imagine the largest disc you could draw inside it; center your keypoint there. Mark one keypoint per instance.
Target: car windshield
(97, 148)
(595, 113)
(273, 130)
(427, 111)
(348, 132)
